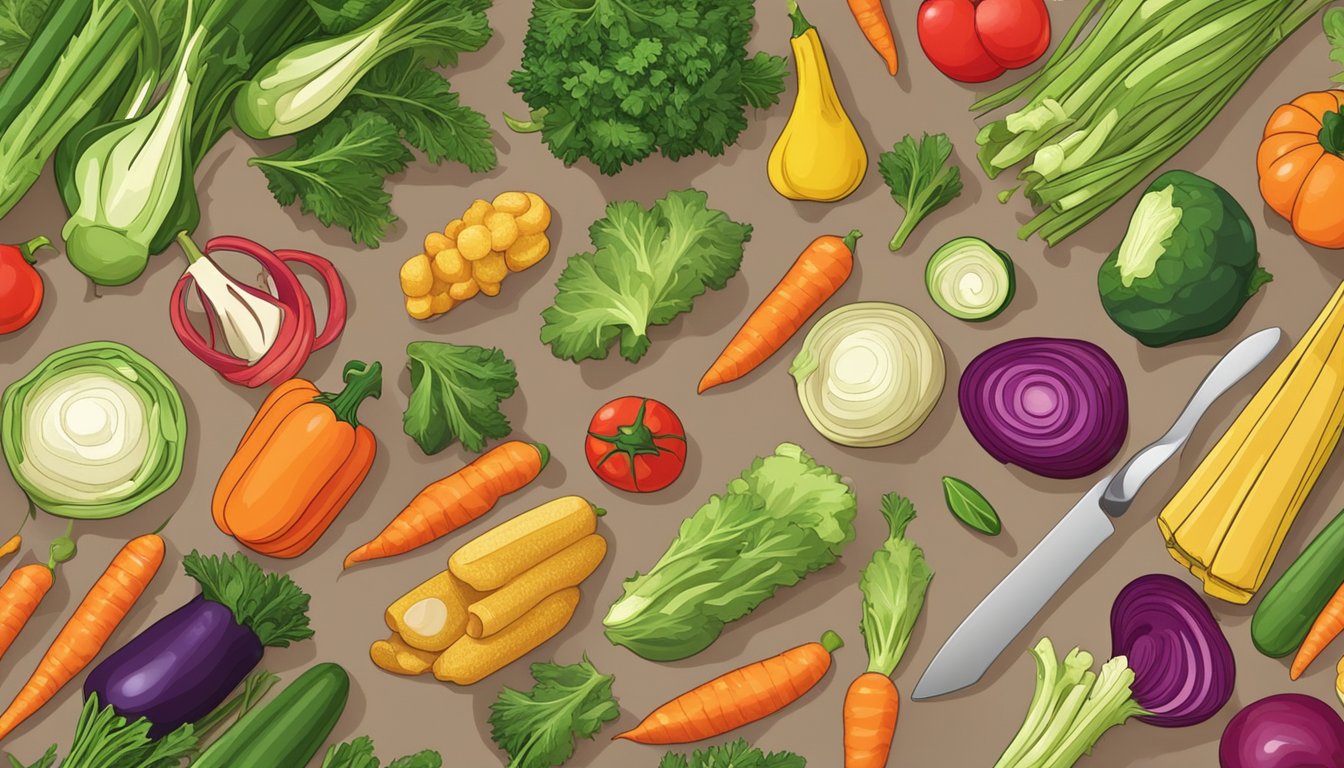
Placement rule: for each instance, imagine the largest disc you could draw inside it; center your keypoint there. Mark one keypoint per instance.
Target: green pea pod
(970, 506)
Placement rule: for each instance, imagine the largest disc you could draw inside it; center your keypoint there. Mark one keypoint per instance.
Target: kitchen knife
(1003, 614)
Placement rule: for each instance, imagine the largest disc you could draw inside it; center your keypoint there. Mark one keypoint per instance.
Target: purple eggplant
(185, 665)
(179, 669)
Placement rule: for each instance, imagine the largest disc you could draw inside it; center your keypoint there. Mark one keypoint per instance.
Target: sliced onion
(1183, 666)
(1055, 407)
(869, 374)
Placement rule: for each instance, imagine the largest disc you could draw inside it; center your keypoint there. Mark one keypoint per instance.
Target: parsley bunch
(615, 80)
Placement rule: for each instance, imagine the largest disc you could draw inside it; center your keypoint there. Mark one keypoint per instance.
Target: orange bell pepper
(301, 459)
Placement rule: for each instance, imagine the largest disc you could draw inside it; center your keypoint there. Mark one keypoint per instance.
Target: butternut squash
(819, 156)
(1228, 521)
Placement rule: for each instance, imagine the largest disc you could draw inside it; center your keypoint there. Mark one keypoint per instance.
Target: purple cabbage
(1287, 730)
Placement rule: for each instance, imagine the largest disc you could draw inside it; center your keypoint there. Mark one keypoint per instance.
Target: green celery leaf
(444, 29)
(734, 754)
(424, 759)
(341, 16)
(359, 754)
(421, 104)
(270, 604)
(1334, 32)
(337, 169)
(19, 20)
(919, 180)
(455, 395)
(763, 79)
(648, 267)
(783, 518)
(538, 728)
(894, 584)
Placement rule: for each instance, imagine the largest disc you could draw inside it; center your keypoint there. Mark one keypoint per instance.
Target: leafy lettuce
(783, 518)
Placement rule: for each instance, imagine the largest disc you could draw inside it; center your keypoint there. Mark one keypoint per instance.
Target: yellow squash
(819, 156)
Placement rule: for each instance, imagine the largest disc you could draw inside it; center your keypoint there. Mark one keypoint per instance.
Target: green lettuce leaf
(648, 267)
(785, 517)
(538, 728)
(1334, 32)
(894, 584)
(455, 395)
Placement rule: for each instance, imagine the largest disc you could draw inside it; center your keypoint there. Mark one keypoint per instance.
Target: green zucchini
(970, 279)
(1286, 613)
(63, 18)
(288, 731)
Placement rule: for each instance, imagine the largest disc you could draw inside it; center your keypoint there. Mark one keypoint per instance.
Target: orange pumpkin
(302, 458)
(1301, 165)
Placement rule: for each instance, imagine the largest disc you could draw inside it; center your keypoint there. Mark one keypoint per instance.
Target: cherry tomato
(977, 40)
(20, 285)
(636, 444)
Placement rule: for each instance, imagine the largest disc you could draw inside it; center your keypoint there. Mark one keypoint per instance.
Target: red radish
(977, 40)
(21, 288)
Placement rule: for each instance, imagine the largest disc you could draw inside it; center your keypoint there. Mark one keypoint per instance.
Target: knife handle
(1232, 368)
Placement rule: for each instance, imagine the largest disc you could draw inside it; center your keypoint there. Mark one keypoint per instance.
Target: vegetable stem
(903, 232)
(189, 247)
(362, 380)
(852, 239)
(26, 250)
(1332, 132)
(831, 641)
(62, 548)
(800, 23)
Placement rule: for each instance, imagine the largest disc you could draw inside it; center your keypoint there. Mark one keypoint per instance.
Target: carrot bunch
(893, 584)
(742, 696)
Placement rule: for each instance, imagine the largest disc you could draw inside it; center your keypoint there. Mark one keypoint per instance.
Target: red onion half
(1055, 407)
(1183, 666)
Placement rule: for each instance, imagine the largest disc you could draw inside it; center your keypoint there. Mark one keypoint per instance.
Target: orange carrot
(742, 696)
(1329, 623)
(814, 278)
(871, 704)
(89, 628)
(11, 546)
(448, 504)
(873, 21)
(23, 591)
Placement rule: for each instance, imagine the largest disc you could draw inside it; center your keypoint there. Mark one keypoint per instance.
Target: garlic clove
(249, 323)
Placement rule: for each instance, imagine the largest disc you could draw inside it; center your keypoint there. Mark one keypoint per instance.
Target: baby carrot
(23, 591)
(11, 546)
(1329, 623)
(742, 696)
(872, 19)
(450, 503)
(814, 278)
(89, 628)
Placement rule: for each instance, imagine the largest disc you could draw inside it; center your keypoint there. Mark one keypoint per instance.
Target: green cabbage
(94, 431)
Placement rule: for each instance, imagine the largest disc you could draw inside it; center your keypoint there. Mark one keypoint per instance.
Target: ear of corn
(1229, 520)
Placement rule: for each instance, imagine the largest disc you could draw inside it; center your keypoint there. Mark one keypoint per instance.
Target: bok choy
(307, 84)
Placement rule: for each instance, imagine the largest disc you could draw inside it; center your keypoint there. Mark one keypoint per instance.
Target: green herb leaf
(455, 395)
(359, 754)
(616, 82)
(104, 739)
(894, 584)
(337, 169)
(970, 506)
(341, 16)
(734, 754)
(538, 728)
(270, 604)
(648, 267)
(919, 180)
(19, 21)
(421, 104)
(1334, 32)
(783, 518)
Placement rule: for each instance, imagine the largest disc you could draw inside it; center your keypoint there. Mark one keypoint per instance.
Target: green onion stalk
(1117, 100)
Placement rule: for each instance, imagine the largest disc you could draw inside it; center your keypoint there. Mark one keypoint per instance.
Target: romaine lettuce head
(783, 518)
(1187, 265)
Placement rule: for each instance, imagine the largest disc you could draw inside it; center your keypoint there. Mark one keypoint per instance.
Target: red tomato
(636, 444)
(20, 285)
(977, 40)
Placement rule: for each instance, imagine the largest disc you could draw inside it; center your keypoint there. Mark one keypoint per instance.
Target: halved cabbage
(94, 431)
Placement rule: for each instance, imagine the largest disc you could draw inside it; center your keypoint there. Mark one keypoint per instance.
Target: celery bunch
(1121, 96)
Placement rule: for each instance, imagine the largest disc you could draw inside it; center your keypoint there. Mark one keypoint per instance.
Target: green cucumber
(970, 279)
(1286, 613)
(288, 731)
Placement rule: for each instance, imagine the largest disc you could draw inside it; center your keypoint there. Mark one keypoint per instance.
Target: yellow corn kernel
(491, 269)
(489, 289)
(503, 230)
(537, 217)
(418, 307)
(454, 227)
(511, 202)
(441, 302)
(435, 242)
(477, 212)
(526, 251)
(416, 276)
(464, 290)
(450, 267)
(474, 242)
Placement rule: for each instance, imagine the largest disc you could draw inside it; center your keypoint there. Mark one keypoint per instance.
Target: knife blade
(1006, 611)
